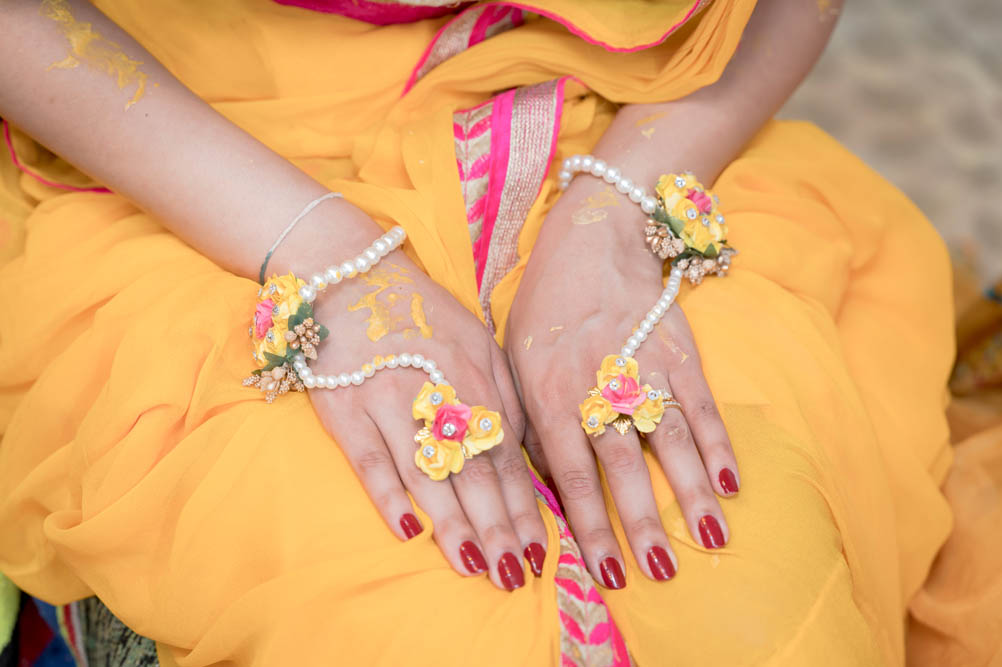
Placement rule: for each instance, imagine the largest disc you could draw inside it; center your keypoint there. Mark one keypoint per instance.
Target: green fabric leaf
(274, 360)
(322, 331)
(303, 313)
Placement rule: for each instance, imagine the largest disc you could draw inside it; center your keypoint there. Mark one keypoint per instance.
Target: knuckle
(594, 537)
(451, 524)
(576, 484)
(622, 459)
(510, 468)
(705, 410)
(525, 519)
(645, 525)
(497, 533)
(675, 433)
(373, 460)
(477, 472)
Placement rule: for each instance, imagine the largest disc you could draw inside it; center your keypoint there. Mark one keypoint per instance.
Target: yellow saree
(135, 467)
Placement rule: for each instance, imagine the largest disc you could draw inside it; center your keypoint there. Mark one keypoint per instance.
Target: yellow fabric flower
(613, 366)
(698, 236)
(430, 398)
(596, 412)
(438, 458)
(681, 210)
(484, 430)
(668, 187)
(273, 342)
(647, 415)
(284, 292)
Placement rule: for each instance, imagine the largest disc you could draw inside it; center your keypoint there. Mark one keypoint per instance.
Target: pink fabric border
(500, 144)
(375, 13)
(37, 177)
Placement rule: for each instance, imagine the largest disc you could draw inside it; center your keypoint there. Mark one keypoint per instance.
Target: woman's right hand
(485, 517)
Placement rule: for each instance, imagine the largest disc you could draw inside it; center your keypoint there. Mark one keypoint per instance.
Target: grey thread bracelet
(285, 232)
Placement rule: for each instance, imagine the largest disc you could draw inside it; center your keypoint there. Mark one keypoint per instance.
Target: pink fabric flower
(701, 200)
(451, 422)
(625, 396)
(262, 318)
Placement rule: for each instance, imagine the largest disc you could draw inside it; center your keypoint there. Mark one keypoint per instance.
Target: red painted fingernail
(410, 525)
(535, 554)
(661, 566)
(710, 533)
(728, 482)
(473, 559)
(510, 572)
(612, 573)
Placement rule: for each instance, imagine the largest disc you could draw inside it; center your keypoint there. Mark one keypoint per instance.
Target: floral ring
(453, 432)
(668, 400)
(619, 400)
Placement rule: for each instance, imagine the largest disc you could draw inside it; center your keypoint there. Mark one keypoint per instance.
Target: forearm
(97, 98)
(706, 130)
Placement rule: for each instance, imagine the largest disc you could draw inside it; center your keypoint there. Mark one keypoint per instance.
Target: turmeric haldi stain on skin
(593, 208)
(88, 47)
(650, 119)
(392, 311)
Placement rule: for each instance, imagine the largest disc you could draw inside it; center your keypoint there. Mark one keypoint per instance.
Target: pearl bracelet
(611, 175)
(362, 262)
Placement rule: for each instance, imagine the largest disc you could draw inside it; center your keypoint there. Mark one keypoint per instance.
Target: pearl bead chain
(362, 262)
(355, 378)
(590, 164)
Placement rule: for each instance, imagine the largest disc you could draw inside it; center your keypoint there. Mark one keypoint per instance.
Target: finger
(576, 476)
(672, 442)
(373, 464)
(452, 530)
(479, 491)
(629, 482)
(702, 415)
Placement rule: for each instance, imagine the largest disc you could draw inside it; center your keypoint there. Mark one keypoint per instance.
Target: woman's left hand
(585, 289)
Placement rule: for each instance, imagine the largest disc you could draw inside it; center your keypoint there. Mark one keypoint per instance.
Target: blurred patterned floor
(914, 87)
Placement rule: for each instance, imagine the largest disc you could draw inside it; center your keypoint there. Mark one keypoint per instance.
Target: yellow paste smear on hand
(650, 119)
(592, 210)
(90, 48)
(385, 308)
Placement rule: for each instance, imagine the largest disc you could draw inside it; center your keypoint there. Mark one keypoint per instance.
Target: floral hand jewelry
(685, 228)
(286, 336)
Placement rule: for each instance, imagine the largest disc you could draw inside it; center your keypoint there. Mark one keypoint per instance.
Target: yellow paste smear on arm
(592, 210)
(88, 47)
(384, 313)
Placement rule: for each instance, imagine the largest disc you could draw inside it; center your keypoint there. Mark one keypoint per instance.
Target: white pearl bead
(567, 164)
(381, 246)
(317, 282)
(428, 366)
(309, 381)
(598, 169)
(321, 381)
(371, 255)
(564, 185)
(657, 311)
(637, 193)
(343, 380)
(640, 335)
(624, 185)
(436, 377)
(299, 357)
(298, 365)
(676, 271)
(611, 175)
(417, 360)
(369, 370)
(392, 363)
(587, 162)
(404, 359)
(399, 232)
(633, 341)
(648, 204)
(357, 378)
(380, 365)
(348, 270)
(565, 175)
(626, 352)
(646, 327)
(575, 163)
(308, 293)
(332, 275)
(362, 264)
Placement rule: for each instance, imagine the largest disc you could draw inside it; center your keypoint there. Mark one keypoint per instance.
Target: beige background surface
(914, 87)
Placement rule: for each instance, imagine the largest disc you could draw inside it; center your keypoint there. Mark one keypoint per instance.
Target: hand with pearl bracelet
(624, 323)
(308, 334)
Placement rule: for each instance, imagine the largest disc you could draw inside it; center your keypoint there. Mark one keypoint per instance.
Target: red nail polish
(728, 482)
(472, 558)
(510, 572)
(612, 573)
(410, 525)
(660, 562)
(710, 533)
(535, 554)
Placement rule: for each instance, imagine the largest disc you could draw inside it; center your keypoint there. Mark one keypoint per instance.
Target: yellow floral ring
(621, 401)
(453, 432)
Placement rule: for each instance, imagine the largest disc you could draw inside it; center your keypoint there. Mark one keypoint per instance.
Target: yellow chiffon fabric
(135, 467)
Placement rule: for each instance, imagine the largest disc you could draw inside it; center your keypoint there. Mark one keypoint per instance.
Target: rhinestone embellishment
(653, 394)
(720, 218)
(592, 421)
(691, 213)
(436, 398)
(614, 385)
(428, 451)
(486, 424)
(620, 362)
(679, 182)
(449, 429)
(706, 221)
(271, 336)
